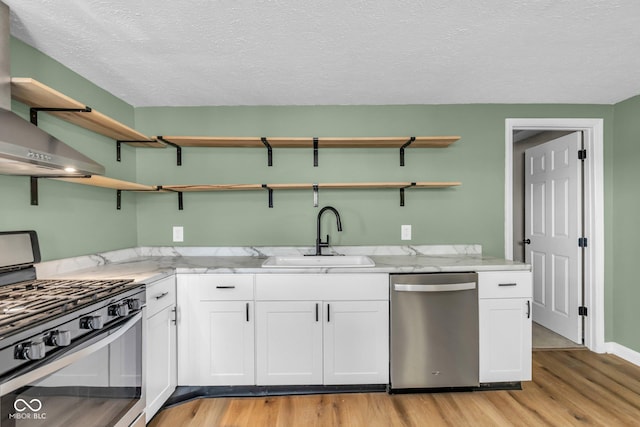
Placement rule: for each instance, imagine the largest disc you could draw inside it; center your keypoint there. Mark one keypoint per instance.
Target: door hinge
(582, 311)
(582, 154)
(582, 242)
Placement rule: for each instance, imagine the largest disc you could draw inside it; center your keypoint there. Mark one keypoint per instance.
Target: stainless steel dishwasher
(434, 331)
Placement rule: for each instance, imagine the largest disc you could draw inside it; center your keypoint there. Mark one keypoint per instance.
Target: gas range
(70, 350)
(39, 317)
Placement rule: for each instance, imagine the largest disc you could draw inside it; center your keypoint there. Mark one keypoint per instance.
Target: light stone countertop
(147, 265)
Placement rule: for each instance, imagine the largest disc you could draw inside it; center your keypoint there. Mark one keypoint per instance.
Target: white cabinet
(505, 326)
(160, 356)
(322, 329)
(356, 342)
(288, 343)
(216, 330)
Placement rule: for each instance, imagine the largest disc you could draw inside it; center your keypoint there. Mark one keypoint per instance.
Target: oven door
(96, 383)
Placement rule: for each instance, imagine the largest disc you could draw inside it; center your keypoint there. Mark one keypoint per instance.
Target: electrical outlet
(405, 232)
(178, 233)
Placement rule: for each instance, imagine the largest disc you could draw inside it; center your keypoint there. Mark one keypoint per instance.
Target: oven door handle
(70, 356)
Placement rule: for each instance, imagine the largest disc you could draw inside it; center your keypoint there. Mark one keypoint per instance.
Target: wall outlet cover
(178, 234)
(405, 232)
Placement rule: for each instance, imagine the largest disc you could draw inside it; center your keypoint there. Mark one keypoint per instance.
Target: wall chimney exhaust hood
(24, 148)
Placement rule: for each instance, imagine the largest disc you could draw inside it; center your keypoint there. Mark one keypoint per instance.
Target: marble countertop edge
(148, 264)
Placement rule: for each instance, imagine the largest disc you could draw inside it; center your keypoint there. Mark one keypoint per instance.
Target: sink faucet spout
(319, 243)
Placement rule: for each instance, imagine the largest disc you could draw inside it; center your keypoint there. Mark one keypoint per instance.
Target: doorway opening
(517, 130)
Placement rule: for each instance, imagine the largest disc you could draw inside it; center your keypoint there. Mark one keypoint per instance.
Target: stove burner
(27, 303)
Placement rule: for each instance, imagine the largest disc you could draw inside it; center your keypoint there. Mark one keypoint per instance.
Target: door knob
(527, 241)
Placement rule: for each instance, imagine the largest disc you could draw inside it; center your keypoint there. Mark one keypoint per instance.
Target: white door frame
(593, 213)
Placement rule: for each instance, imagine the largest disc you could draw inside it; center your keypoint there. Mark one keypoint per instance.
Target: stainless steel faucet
(319, 243)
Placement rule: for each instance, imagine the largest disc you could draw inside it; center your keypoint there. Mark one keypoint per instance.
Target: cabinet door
(505, 340)
(356, 342)
(223, 346)
(161, 378)
(289, 343)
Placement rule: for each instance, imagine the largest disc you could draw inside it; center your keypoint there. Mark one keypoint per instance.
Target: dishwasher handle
(402, 287)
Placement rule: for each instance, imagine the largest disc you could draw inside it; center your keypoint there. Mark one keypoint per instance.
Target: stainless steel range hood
(24, 148)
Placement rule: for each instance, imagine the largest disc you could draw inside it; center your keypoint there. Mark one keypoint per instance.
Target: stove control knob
(91, 322)
(119, 310)
(29, 350)
(58, 339)
(134, 304)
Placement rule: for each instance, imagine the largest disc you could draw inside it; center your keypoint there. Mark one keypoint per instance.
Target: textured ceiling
(288, 52)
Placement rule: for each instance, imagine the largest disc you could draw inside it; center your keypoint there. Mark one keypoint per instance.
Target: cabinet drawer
(225, 287)
(160, 294)
(504, 284)
(322, 287)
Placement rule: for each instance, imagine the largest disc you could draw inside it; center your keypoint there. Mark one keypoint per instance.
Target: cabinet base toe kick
(186, 393)
(482, 387)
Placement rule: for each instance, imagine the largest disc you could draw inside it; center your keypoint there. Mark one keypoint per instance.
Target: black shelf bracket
(33, 112)
(118, 199)
(402, 193)
(180, 200)
(315, 152)
(177, 147)
(119, 143)
(34, 191)
(315, 195)
(405, 145)
(269, 151)
(270, 190)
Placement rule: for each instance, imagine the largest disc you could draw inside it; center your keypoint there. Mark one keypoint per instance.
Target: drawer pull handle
(247, 311)
(225, 287)
(316, 312)
(162, 295)
(507, 284)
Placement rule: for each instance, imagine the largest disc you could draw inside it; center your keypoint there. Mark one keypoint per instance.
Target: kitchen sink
(301, 261)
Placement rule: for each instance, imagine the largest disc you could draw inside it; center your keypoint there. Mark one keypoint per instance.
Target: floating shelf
(316, 143)
(41, 97)
(315, 187)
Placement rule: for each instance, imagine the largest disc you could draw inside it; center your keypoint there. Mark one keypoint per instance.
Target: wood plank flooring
(569, 388)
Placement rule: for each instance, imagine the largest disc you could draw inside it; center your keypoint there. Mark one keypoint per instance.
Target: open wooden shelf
(37, 95)
(315, 143)
(307, 142)
(180, 189)
(333, 185)
(104, 182)
(120, 186)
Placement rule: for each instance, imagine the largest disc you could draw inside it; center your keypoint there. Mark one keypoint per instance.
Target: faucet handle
(327, 242)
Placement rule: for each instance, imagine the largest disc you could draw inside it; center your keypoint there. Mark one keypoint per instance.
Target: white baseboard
(623, 352)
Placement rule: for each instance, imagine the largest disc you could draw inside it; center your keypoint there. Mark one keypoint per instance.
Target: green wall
(626, 227)
(71, 219)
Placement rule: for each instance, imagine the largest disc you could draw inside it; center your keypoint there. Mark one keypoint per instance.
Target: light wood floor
(574, 387)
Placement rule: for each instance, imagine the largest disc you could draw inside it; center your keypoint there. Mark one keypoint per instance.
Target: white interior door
(553, 223)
